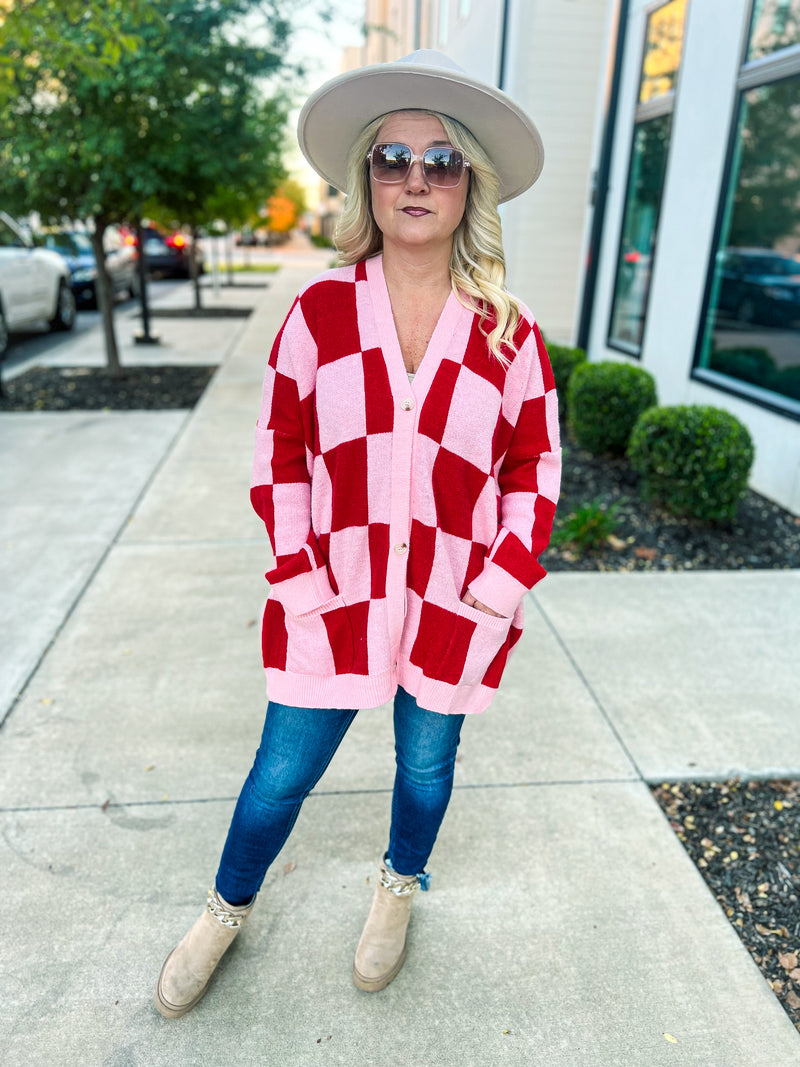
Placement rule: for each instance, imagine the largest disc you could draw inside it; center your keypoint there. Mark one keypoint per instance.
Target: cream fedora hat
(338, 111)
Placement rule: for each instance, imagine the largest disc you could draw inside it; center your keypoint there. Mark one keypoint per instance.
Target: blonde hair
(477, 262)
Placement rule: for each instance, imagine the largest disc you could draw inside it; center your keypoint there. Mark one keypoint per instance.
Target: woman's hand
(471, 602)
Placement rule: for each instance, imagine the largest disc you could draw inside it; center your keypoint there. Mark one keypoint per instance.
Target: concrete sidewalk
(566, 926)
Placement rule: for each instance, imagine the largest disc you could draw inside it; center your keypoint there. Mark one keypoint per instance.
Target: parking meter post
(143, 336)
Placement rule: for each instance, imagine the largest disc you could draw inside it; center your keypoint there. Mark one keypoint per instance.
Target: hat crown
(429, 57)
(334, 115)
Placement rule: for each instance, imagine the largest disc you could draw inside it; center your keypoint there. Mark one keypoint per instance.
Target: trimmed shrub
(694, 460)
(564, 360)
(604, 402)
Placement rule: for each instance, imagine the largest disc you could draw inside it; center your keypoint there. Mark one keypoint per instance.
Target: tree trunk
(229, 256)
(195, 273)
(105, 297)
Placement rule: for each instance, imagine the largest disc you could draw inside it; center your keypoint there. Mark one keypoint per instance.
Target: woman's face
(411, 214)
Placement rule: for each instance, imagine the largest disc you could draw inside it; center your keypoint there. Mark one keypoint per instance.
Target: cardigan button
(407, 404)
(401, 549)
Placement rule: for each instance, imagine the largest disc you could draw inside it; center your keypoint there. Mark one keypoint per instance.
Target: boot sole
(165, 1007)
(375, 985)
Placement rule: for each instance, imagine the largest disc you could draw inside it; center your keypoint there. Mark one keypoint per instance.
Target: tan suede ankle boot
(188, 969)
(381, 951)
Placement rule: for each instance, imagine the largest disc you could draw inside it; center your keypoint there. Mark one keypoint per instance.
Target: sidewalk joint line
(117, 805)
(586, 684)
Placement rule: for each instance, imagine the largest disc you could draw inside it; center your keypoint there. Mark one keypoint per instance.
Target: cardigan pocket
(320, 641)
(477, 639)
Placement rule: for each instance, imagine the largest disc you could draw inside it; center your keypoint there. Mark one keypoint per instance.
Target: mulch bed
(763, 535)
(139, 388)
(744, 838)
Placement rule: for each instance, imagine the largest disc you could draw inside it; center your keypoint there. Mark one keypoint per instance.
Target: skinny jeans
(297, 744)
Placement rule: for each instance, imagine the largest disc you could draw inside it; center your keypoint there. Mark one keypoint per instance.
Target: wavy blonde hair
(477, 262)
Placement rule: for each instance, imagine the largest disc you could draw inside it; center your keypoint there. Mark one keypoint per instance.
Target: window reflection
(776, 25)
(662, 57)
(639, 228)
(662, 52)
(753, 324)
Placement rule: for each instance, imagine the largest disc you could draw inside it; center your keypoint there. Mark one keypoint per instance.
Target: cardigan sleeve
(529, 480)
(280, 489)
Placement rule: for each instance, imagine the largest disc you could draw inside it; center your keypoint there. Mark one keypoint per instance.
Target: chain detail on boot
(381, 951)
(188, 969)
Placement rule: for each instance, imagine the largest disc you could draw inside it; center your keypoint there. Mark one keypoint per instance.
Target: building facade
(665, 229)
(697, 275)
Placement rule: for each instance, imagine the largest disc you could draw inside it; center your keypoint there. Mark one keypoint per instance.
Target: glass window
(9, 238)
(752, 328)
(776, 25)
(648, 166)
(662, 50)
(639, 228)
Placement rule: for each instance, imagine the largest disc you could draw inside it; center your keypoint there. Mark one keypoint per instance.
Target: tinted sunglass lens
(443, 166)
(390, 162)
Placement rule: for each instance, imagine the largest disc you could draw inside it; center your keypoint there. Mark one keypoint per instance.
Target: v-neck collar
(451, 315)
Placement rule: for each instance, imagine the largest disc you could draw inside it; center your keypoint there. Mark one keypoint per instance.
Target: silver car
(35, 285)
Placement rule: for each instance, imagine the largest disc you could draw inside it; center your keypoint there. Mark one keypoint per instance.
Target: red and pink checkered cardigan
(384, 500)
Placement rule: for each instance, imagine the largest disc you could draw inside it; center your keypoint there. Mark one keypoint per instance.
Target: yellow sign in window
(662, 50)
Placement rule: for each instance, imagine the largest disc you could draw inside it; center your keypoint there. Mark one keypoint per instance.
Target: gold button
(407, 404)
(401, 549)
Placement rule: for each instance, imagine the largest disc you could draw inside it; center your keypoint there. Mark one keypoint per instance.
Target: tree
(32, 30)
(766, 201)
(176, 118)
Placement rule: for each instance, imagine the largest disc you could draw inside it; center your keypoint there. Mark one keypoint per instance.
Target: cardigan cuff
(304, 592)
(498, 590)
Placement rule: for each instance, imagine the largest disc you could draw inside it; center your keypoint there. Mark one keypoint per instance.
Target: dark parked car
(76, 248)
(168, 255)
(759, 285)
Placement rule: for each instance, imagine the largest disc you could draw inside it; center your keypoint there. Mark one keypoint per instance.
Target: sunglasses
(441, 166)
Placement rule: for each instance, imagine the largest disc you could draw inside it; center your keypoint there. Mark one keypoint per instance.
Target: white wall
(701, 127)
(556, 56)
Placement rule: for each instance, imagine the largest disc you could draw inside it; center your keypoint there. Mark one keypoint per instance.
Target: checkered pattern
(385, 501)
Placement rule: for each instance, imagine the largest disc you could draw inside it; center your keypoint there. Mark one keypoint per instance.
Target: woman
(406, 467)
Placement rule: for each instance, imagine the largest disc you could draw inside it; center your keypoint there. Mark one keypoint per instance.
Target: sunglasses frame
(417, 159)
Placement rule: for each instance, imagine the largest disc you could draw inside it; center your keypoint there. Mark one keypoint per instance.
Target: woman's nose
(416, 180)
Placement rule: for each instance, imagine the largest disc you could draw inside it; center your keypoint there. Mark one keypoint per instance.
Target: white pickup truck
(35, 285)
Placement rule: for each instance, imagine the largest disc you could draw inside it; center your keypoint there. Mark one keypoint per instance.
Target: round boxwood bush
(694, 460)
(564, 360)
(604, 402)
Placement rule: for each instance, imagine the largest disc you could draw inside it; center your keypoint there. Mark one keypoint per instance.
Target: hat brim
(338, 111)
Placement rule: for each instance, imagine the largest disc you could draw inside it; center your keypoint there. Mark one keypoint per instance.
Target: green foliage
(747, 363)
(319, 240)
(177, 118)
(604, 401)
(33, 38)
(694, 460)
(564, 360)
(588, 527)
(765, 203)
(756, 365)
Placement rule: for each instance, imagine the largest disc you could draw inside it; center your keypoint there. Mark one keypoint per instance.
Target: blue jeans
(296, 746)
